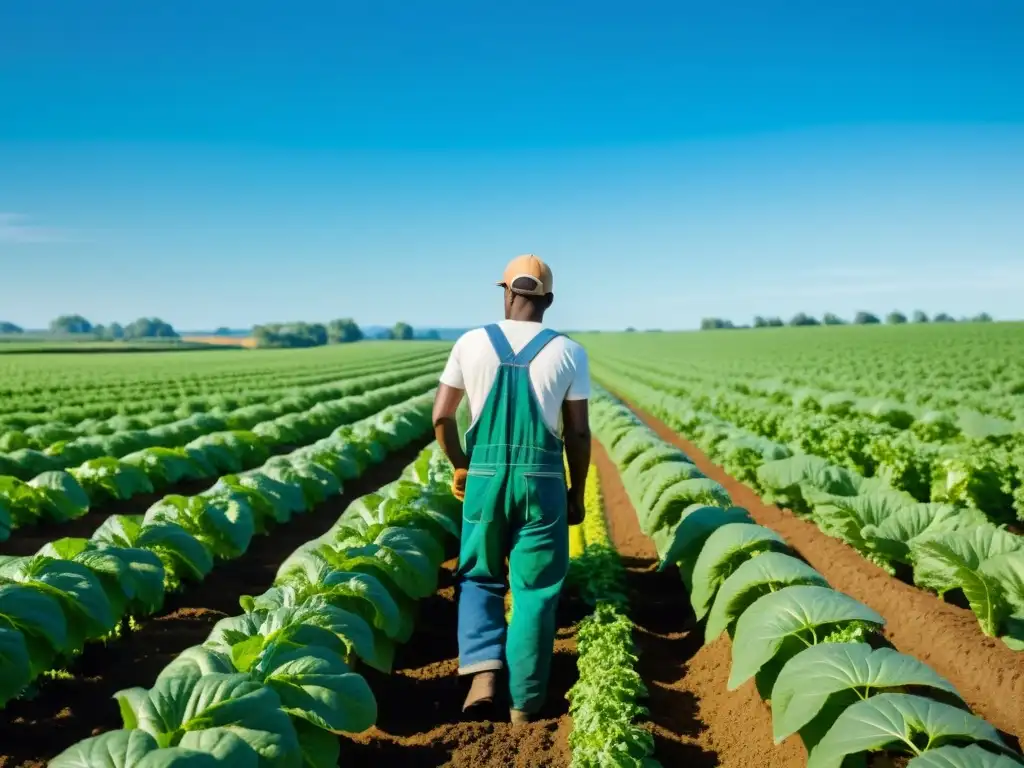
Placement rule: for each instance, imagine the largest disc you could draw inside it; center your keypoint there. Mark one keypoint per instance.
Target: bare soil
(695, 720)
(988, 675)
(420, 720)
(64, 711)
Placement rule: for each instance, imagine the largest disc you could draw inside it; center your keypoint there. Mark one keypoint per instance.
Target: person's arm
(576, 434)
(446, 429)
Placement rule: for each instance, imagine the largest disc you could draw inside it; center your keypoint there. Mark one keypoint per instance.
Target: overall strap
(501, 346)
(537, 343)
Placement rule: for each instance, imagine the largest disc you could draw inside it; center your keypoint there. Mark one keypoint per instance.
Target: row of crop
(940, 369)
(927, 422)
(604, 702)
(940, 547)
(816, 654)
(987, 474)
(76, 590)
(77, 382)
(150, 403)
(274, 686)
(63, 444)
(77, 385)
(57, 496)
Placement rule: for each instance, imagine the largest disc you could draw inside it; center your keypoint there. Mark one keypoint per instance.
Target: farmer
(524, 382)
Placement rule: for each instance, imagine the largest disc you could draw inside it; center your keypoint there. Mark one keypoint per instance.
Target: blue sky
(231, 163)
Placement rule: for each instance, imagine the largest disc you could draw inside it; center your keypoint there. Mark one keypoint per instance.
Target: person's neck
(527, 317)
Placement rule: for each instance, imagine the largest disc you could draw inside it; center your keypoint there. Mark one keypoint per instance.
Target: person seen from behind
(527, 387)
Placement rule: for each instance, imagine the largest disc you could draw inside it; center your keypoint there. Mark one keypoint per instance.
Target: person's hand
(575, 511)
(459, 484)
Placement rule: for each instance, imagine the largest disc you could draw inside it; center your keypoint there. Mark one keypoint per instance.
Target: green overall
(515, 507)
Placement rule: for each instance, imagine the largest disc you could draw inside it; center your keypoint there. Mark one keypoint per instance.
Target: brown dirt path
(696, 721)
(420, 722)
(988, 675)
(67, 710)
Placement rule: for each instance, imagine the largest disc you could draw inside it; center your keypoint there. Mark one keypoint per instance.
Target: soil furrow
(695, 720)
(72, 708)
(987, 674)
(420, 721)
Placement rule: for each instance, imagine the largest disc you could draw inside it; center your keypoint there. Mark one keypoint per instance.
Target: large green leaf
(817, 684)
(15, 664)
(24, 504)
(896, 722)
(115, 749)
(316, 685)
(112, 478)
(79, 592)
(183, 555)
(227, 748)
(684, 543)
(671, 503)
(971, 756)
(181, 703)
(224, 524)
(1004, 577)
(961, 559)
(6, 521)
(320, 748)
(214, 748)
(65, 498)
(891, 539)
(941, 559)
(781, 624)
(39, 617)
(725, 550)
(768, 572)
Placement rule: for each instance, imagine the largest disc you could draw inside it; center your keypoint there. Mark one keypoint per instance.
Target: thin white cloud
(15, 228)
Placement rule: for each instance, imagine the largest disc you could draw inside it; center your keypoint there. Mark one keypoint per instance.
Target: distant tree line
(6, 327)
(342, 331)
(143, 328)
(829, 318)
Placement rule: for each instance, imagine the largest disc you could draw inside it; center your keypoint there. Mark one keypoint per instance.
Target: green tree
(6, 327)
(942, 317)
(866, 318)
(149, 328)
(919, 316)
(715, 323)
(402, 331)
(984, 317)
(70, 324)
(222, 331)
(289, 335)
(831, 318)
(775, 322)
(343, 331)
(431, 335)
(895, 318)
(802, 318)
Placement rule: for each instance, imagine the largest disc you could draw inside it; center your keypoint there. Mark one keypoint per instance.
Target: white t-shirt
(559, 372)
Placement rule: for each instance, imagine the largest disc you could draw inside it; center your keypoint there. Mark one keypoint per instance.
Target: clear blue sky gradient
(228, 163)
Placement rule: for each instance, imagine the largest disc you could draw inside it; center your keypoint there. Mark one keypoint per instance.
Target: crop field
(802, 547)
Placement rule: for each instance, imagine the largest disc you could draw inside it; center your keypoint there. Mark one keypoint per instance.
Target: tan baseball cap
(527, 275)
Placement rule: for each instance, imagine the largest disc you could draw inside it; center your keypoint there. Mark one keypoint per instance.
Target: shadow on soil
(420, 720)
(667, 636)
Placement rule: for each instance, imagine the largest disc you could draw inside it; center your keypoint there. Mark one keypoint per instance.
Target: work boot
(481, 690)
(518, 717)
